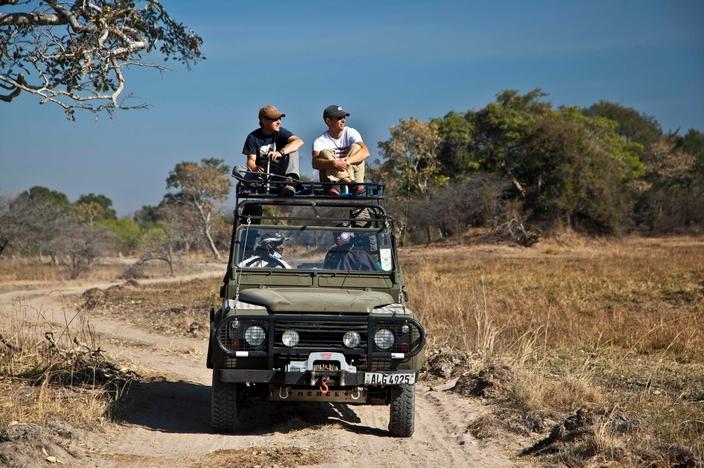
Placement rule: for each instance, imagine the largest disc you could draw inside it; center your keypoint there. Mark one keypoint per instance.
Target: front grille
(320, 333)
(317, 333)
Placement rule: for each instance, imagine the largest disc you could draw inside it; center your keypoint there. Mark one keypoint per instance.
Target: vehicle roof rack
(308, 190)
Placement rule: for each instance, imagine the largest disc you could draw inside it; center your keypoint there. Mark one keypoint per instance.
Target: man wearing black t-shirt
(272, 146)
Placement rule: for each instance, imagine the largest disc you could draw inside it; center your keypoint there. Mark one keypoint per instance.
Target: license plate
(377, 378)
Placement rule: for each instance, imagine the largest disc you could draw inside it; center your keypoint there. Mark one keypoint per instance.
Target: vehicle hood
(316, 299)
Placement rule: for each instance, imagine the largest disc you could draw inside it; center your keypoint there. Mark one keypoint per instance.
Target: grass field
(600, 325)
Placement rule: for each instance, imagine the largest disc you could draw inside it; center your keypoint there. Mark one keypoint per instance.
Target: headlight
(255, 335)
(290, 338)
(351, 339)
(384, 339)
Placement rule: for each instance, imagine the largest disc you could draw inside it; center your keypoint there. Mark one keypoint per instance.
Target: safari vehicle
(313, 307)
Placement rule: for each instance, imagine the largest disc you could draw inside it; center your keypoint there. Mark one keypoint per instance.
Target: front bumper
(307, 378)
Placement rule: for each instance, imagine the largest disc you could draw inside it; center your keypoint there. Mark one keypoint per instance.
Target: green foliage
(411, 155)
(501, 127)
(46, 197)
(693, 143)
(91, 208)
(631, 124)
(605, 168)
(146, 216)
(127, 232)
(603, 137)
(153, 237)
(576, 171)
(455, 132)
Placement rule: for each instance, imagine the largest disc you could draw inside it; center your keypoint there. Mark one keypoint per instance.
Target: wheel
(224, 405)
(402, 411)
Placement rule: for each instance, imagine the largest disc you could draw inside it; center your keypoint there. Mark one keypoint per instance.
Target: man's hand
(340, 164)
(274, 155)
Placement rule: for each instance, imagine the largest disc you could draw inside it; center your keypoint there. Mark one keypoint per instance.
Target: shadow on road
(184, 407)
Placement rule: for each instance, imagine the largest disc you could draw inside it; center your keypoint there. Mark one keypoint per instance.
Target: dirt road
(166, 420)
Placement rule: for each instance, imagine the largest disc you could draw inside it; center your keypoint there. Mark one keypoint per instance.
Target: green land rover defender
(313, 307)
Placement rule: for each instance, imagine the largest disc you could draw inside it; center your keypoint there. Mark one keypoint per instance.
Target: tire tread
(224, 405)
(402, 411)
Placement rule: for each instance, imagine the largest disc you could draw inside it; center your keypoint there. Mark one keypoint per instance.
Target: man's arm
(294, 143)
(358, 156)
(252, 163)
(250, 150)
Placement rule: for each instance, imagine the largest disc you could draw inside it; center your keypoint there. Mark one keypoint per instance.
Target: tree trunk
(205, 222)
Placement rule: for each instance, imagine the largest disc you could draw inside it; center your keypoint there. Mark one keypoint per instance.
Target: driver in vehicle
(344, 256)
(268, 254)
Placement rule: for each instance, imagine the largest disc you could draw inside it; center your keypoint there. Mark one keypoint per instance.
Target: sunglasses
(273, 120)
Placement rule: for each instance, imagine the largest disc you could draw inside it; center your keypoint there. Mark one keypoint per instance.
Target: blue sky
(379, 60)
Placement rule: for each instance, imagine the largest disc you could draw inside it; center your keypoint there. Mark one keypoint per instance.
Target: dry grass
(49, 373)
(590, 324)
(21, 272)
(177, 308)
(264, 457)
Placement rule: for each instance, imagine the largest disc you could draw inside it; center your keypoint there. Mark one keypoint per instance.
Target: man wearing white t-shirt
(339, 153)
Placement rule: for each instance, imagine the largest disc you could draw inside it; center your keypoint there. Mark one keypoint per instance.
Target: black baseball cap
(334, 111)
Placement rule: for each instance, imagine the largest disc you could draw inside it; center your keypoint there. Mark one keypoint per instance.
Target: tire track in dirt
(165, 421)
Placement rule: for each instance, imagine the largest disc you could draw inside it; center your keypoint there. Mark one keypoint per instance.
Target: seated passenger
(344, 256)
(339, 153)
(268, 254)
(273, 149)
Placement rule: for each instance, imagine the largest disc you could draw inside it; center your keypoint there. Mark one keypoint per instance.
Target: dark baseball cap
(334, 111)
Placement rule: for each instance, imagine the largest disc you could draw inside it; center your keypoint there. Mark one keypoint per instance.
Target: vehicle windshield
(314, 248)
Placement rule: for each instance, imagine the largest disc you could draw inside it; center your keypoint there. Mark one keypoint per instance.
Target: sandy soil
(165, 421)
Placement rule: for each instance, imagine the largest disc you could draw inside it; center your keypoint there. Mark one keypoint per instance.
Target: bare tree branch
(75, 54)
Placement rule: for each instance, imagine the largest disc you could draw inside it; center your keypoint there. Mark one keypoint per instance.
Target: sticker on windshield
(385, 256)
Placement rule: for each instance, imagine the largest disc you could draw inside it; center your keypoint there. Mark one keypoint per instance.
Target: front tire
(224, 405)
(402, 411)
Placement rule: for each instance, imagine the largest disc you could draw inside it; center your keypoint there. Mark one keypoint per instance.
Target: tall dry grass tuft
(50, 372)
(590, 323)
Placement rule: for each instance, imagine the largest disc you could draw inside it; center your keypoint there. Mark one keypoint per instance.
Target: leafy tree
(146, 216)
(201, 186)
(672, 189)
(693, 143)
(456, 131)
(632, 125)
(575, 169)
(126, 231)
(75, 53)
(39, 195)
(500, 130)
(411, 155)
(92, 207)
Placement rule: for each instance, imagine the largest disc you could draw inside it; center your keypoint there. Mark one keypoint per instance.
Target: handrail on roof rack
(354, 212)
